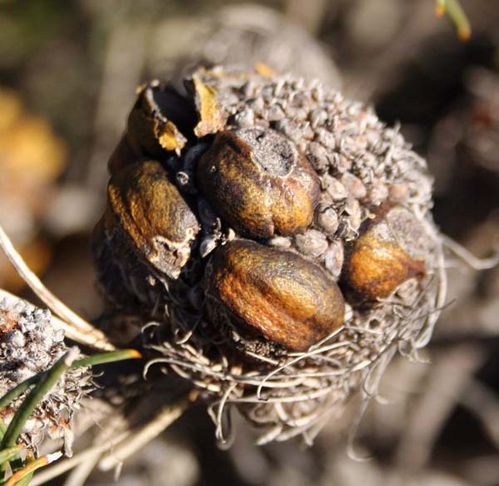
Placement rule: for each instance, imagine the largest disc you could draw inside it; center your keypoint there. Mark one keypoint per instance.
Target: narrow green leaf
(8, 454)
(3, 428)
(93, 360)
(456, 13)
(47, 381)
(102, 358)
(18, 390)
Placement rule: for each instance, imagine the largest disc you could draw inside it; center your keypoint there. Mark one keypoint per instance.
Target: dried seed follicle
(274, 293)
(259, 183)
(149, 211)
(386, 254)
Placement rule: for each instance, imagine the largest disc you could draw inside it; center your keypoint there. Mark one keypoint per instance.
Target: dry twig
(83, 330)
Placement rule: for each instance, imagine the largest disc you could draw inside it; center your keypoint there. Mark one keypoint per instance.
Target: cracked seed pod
(258, 183)
(301, 197)
(29, 344)
(149, 223)
(154, 126)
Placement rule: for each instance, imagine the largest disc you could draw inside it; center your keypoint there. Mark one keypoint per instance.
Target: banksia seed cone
(305, 254)
(29, 345)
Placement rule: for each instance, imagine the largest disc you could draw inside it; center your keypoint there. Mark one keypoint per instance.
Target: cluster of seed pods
(257, 218)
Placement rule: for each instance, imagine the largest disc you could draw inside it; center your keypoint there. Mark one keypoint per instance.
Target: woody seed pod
(378, 262)
(274, 293)
(152, 213)
(259, 183)
(158, 124)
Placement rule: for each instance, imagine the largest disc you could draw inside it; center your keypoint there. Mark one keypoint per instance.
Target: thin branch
(68, 464)
(122, 445)
(467, 257)
(80, 474)
(450, 376)
(47, 297)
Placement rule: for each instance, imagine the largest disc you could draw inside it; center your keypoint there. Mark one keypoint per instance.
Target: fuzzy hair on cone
(275, 242)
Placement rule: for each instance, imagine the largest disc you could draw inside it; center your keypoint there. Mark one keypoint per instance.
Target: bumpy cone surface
(29, 345)
(278, 235)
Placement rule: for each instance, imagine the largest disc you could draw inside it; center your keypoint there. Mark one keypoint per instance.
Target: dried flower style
(313, 259)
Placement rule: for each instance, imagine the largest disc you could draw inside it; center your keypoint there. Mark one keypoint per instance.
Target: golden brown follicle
(158, 121)
(275, 293)
(153, 214)
(379, 260)
(259, 183)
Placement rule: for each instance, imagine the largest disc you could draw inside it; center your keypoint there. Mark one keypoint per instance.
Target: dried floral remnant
(29, 345)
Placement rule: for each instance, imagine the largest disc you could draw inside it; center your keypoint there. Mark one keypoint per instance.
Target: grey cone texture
(29, 345)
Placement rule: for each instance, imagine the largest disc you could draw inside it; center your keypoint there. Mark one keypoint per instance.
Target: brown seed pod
(380, 260)
(159, 122)
(150, 210)
(274, 293)
(259, 183)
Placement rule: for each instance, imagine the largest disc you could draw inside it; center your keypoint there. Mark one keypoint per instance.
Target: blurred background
(68, 73)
